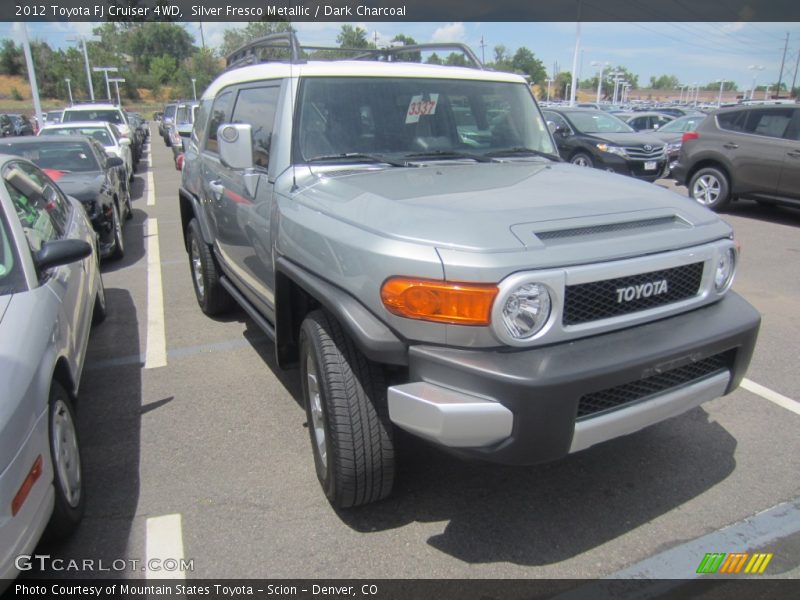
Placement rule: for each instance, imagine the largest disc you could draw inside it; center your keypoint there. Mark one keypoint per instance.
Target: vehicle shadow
(109, 413)
(549, 513)
(778, 215)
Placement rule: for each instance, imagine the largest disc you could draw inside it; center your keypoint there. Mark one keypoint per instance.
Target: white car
(51, 292)
(98, 112)
(109, 136)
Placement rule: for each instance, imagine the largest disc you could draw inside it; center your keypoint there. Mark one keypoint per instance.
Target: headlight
(612, 149)
(526, 310)
(674, 146)
(726, 267)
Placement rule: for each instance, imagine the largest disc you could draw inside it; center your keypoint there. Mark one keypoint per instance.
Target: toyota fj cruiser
(407, 234)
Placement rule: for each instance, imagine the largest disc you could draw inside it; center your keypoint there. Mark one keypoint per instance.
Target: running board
(248, 308)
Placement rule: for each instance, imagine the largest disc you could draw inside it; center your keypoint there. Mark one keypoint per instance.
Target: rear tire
(211, 296)
(70, 500)
(99, 311)
(348, 421)
(711, 188)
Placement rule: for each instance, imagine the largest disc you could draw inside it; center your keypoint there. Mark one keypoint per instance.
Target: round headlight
(726, 265)
(526, 310)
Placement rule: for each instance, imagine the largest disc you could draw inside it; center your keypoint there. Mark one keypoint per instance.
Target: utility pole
(574, 86)
(202, 36)
(783, 60)
(483, 51)
(69, 89)
(794, 79)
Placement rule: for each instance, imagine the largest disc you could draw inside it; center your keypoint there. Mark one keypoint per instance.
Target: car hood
(667, 137)
(628, 139)
(4, 301)
(500, 207)
(83, 186)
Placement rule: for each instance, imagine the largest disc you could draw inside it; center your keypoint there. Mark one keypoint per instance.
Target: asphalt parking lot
(195, 447)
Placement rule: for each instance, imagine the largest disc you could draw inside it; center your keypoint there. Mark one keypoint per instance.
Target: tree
(665, 82)
(147, 41)
(434, 59)
(502, 60)
(352, 37)
(407, 41)
(624, 75)
(456, 59)
(232, 39)
(562, 80)
(525, 62)
(11, 62)
(162, 69)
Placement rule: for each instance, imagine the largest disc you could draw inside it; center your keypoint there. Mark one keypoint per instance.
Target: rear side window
(771, 122)
(256, 106)
(219, 115)
(732, 121)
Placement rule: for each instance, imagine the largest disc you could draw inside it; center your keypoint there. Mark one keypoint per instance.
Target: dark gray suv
(743, 152)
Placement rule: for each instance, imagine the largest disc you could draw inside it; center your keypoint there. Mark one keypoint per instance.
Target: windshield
(169, 111)
(598, 122)
(184, 114)
(11, 276)
(401, 118)
(110, 115)
(101, 134)
(48, 153)
(681, 125)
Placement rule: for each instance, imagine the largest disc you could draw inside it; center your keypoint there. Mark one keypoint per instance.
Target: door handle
(794, 153)
(217, 188)
(730, 146)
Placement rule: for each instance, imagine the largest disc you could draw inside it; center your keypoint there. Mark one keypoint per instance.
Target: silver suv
(407, 234)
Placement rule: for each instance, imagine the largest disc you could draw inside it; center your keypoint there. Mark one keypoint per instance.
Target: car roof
(27, 139)
(353, 68)
(94, 106)
(73, 124)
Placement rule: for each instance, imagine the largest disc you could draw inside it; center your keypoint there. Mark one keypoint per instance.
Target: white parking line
(774, 397)
(156, 352)
(164, 548)
(151, 188)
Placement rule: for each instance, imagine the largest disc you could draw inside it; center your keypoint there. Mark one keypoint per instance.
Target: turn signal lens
(690, 135)
(439, 301)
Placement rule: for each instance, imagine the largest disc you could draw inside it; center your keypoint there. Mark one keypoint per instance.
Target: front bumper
(521, 407)
(631, 167)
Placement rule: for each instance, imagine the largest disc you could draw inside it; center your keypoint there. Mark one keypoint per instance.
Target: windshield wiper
(450, 154)
(357, 157)
(520, 151)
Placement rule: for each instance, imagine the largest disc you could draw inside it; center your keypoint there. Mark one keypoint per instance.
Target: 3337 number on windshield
(418, 107)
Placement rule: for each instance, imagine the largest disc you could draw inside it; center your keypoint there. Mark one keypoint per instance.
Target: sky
(693, 52)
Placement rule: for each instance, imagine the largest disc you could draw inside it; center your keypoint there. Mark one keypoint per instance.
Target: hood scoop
(621, 228)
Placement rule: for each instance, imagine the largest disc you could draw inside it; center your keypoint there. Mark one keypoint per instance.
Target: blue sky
(694, 52)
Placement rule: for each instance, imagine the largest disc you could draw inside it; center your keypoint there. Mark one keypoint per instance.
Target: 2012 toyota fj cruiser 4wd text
(408, 235)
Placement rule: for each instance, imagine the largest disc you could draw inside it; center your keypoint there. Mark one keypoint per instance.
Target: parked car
(98, 112)
(138, 136)
(20, 125)
(672, 135)
(53, 117)
(166, 118)
(646, 121)
(157, 116)
(679, 111)
(743, 152)
(6, 127)
(592, 138)
(180, 128)
(113, 142)
(51, 292)
(487, 297)
(82, 169)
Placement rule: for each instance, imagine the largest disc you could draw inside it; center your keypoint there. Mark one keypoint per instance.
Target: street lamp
(106, 70)
(681, 87)
(69, 89)
(116, 81)
(194, 88)
(83, 39)
(721, 83)
(755, 69)
(696, 92)
(549, 81)
(600, 77)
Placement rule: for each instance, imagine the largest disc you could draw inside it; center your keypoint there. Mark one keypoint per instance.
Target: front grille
(623, 395)
(597, 300)
(639, 153)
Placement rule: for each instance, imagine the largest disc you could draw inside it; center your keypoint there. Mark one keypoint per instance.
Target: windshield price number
(419, 108)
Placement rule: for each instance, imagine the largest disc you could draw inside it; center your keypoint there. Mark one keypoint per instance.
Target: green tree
(502, 59)
(407, 41)
(434, 59)
(624, 75)
(526, 63)
(456, 59)
(162, 69)
(148, 41)
(232, 39)
(352, 37)
(11, 61)
(665, 82)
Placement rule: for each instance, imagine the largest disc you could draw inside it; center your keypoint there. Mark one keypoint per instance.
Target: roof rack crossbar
(247, 54)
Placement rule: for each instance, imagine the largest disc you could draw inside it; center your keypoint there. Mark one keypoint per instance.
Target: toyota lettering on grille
(642, 290)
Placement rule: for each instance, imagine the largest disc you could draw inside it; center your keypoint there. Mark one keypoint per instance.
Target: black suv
(746, 151)
(593, 138)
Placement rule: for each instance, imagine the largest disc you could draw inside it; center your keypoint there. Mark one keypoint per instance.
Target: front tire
(348, 422)
(582, 159)
(116, 229)
(711, 188)
(65, 456)
(211, 296)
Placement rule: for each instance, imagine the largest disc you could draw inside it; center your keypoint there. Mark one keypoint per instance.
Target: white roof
(353, 68)
(95, 106)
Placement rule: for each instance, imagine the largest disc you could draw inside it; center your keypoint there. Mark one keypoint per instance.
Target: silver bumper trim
(448, 417)
(628, 420)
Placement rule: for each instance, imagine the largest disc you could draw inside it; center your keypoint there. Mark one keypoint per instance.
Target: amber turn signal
(439, 301)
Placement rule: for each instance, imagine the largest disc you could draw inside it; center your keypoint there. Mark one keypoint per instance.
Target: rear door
(789, 184)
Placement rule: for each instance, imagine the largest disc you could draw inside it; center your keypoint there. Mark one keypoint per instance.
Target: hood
(4, 302)
(667, 137)
(83, 186)
(485, 207)
(628, 139)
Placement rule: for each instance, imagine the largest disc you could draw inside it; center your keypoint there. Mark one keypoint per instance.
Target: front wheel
(211, 296)
(348, 422)
(582, 159)
(710, 187)
(66, 458)
(116, 229)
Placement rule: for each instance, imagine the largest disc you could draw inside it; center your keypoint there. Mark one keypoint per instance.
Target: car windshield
(169, 111)
(681, 125)
(55, 154)
(101, 134)
(184, 114)
(371, 118)
(110, 115)
(11, 277)
(598, 122)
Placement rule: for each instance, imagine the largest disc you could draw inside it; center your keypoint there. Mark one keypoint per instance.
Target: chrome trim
(557, 279)
(448, 417)
(628, 420)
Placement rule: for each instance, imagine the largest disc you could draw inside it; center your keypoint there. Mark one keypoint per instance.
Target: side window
(771, 122)
(793, 131)
(732, 121)
(39, 206)
(200, 120)
(556, 119)
(256, 106)
(220, 111)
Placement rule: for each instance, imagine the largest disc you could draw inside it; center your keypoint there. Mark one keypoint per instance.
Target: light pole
(83, 39)
(116, 81)
(600, 77)
(69, 89)
(106, 70)
(566, 92)
(680, 101)
(194, 88)
(755, 69)
(721, 87)
(696, 92)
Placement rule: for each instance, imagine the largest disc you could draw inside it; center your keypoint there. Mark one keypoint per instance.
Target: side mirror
(61, 252)
(114, 161)
(235, 145)
(561, 130)
(123, 141)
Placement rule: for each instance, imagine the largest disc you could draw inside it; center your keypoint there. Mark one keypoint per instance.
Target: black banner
(402, 10)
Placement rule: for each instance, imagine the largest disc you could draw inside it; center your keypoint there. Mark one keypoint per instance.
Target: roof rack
(250, 53)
